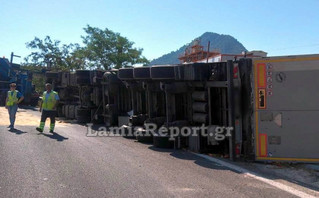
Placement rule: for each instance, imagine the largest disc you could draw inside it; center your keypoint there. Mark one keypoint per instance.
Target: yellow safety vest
(12, 98)
(48, 103)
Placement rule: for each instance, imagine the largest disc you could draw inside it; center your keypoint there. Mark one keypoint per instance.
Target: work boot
(52, 127)
(41, 127)
(51, 131)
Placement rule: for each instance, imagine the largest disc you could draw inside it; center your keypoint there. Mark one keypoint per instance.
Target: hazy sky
(161, 26)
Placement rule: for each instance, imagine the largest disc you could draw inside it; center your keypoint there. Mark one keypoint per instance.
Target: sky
(160, 26)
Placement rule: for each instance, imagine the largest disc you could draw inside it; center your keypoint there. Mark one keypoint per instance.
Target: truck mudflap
(286, 109)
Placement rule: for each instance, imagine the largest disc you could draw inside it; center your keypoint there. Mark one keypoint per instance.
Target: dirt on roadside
(23, 118)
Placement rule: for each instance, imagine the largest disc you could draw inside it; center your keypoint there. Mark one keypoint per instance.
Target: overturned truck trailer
(266, 108)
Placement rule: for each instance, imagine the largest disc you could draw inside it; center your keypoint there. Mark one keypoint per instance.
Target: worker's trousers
(12, 114)
(48, 114)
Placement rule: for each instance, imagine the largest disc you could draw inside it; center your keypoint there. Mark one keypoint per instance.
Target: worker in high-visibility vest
(48, 107)
(14, 98)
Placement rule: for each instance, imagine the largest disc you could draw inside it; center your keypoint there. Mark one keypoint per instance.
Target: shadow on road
(164, 150)
(198, 160)
(55, 136)
(179, 154)
(183, 155)
(17, 131)
(211, 165)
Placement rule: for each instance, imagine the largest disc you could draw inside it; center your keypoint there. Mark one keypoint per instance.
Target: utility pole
(207, 56)
(11, 60)
(13, 55)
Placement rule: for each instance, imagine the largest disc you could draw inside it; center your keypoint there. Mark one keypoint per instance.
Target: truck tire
(142, 72)
(197, 72)
(64, 94)
(71, 112)
(73, 79)
(76, 111)
(83, 81)
(63, 110)
(111, 77)
(60, 111)
(82, 73)
(162, 141)
(83, 112)
(126, 74)
(127, 132)
(83, 115)
(83, 77)
(83, 119)
(144, 139)
(163, 72)
(66, 111)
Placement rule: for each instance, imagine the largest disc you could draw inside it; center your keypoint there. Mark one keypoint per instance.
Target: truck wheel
(63, 110)
(142, 72)
(83, 81)
(83, 77)
(163, 72)
(71, 112)
(83, 112)
(144, 139)
(83, 115)
(76, 111)
(83, 119)
(60, 112)
(162, 141)
(66, 111)
(82, 73)
(126, 73)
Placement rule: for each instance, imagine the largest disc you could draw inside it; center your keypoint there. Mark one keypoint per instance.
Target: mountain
(223, 43)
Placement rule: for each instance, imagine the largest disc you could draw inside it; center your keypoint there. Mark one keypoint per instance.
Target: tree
(105, 48)
(50, 54)
(102, 49)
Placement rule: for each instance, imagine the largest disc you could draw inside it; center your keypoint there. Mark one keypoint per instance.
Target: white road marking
(251, 174)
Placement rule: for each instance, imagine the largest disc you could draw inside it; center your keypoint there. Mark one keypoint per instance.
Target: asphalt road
(69, 164)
